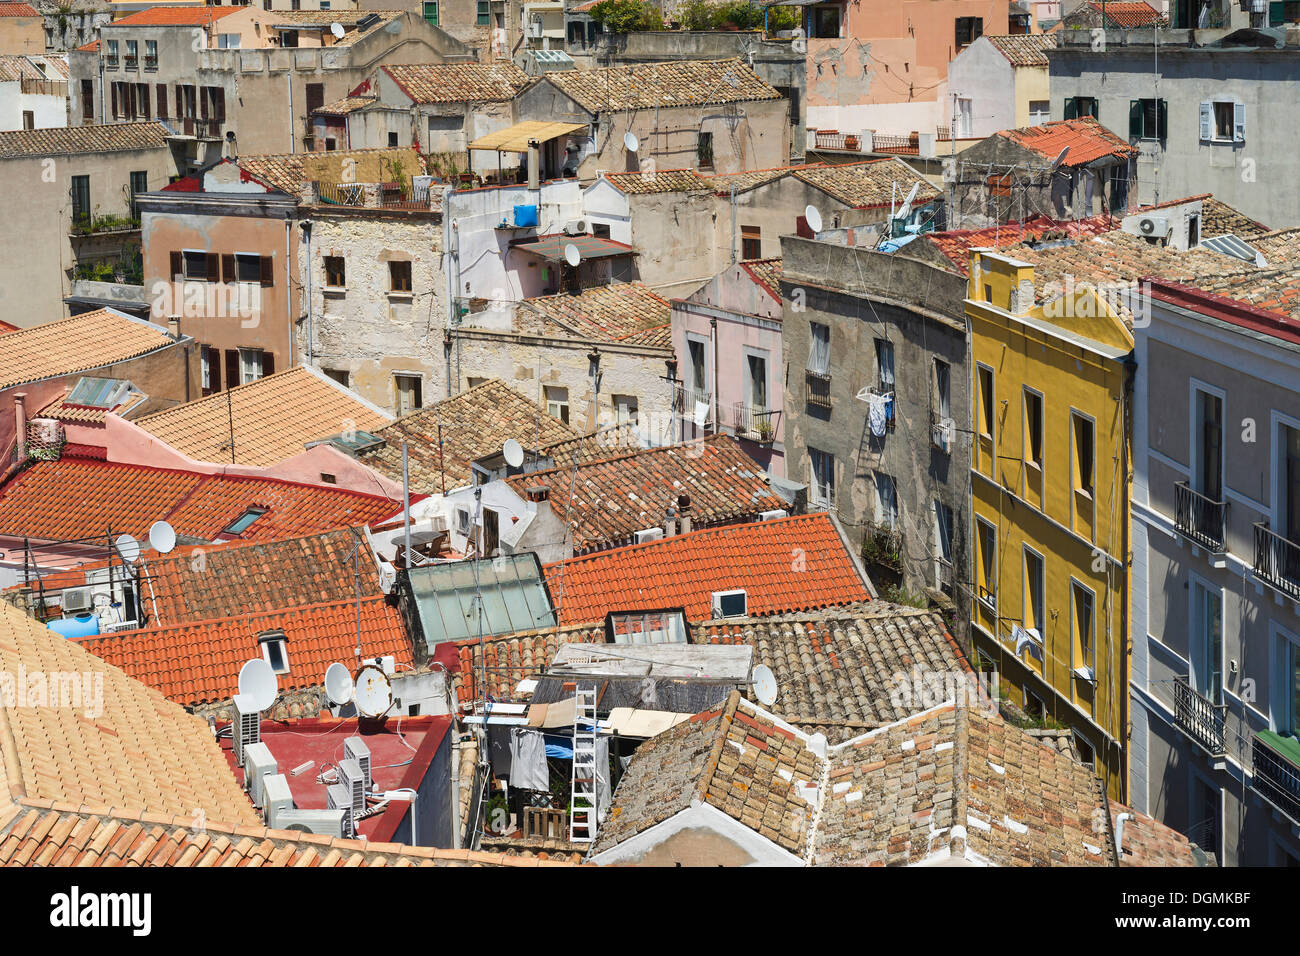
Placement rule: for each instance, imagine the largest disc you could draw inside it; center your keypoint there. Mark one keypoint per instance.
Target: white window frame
(882, 516)
(1209, 120)
(398, 376)
(284, 653)
(823, 501)
(992, 433)
(939, 558)
(245, 357)
(1196, 648)
(1282, 716)
(1026, 599)
(1091, 663)
(553, 405)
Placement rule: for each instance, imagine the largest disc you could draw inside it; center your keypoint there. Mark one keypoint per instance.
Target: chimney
(534, 164)
(684, 509)
(670, 522)
(20, 423)
(174, 327)
(538, 492)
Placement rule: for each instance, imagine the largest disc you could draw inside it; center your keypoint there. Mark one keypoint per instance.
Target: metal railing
(35, 86)
(885, 143)
(685, 400)
(818, 389)
(130, 62)
(151, 63)
(192, 126)
(834, 139)
(1277, 561)
(755, 422)
(1198, 517)
(945, 578)
(389, 195)
(1199, 717)
(1276, 778)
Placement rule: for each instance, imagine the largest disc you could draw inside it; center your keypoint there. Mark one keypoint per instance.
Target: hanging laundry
(878, 413)
(528, 770)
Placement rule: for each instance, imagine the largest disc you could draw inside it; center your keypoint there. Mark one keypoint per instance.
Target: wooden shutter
(143, 91)
(228, 268)
(268, 363)
(177, 265)
(214, 368)
(218, 104)
(113, 92)
(88, 99)
(203, 102)
(1239, 122)
(1071, 108)
(1134, 119)
(162, 100)
(1207, 120)
(1162, 120)
(232, 368)
(315, 97)
(214, 267)
(268, 276)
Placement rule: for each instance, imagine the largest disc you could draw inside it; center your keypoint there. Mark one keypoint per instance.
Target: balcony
(1275, 766)
(1198, 518)
(190, 127)
(818, 389)
(942, 431)
(945, 576)
(1277, 561)
(110, 63)
(756, 423)
(1199, 718)
(131, 63)
(686, 400)
(835, 140)
(882, 545)
(415, 195)
(151, 64)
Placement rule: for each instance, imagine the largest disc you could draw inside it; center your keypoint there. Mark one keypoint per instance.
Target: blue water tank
(525, 215)
(83, 625)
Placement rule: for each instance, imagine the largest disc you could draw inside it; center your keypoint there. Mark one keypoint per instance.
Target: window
(756, 374)
(275, 650)
(80, 199)
(242, 523)
(111, 60)
(557, 402)
(228, 41)
(821, 478)
(968, 30)
(965, 118)
(1286, 715)
(943, 527)
(88, 99)
(625, 409)
(335, 273)
(751, 242)
(819, 348)
(409, 397)
(1033, 428)
(699, 370)
(243, 267)
(210, 369)
(392, 140)
(1207, 641)
(1040, 111)
(1032, 611)
(29, 119)
(252, 365)
(704, 150)
(985, 412)
(132, 55)
(483, 12)
(399, 276)
(886, 501)
(162, 100)
(1077, 106)
(1223, 121)
(1208, 454)
(1083, 624)
(1083, 450)
(942, 389)
(139, 184)
(1086, 755)
(474, 381)
(1204, 826)
(430, 12)
(288, 38)
(1147, 119)
(151, 54)
(826, 22)
(339, 375)
(600, 230)
(986, 568)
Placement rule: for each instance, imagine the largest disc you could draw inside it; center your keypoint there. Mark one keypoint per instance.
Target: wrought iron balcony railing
(755, 422)
(1199, 518)
(1277, 561)
(1276, 775)
(1199, 717)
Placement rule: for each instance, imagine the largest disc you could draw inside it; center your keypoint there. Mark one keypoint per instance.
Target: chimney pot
(20, 423)
(174, 327)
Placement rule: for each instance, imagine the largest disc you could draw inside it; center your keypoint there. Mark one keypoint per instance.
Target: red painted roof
(787, 564)
(174, 17)
(91, 47)
(1265, 319)
(80, 498)
(1087, 140)
(17, 10)
(199, 662)
(6, 327)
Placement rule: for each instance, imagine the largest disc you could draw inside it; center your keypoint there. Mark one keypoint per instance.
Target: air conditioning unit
(355, 749)
(730, 603)
(577, 227)
(1148, 227)
(258, 763)
(275, 792)
(328, 823)
(245, 729)
(771, 515)
(353, 778)
(338, 797)
(648, 534)
(77, 599)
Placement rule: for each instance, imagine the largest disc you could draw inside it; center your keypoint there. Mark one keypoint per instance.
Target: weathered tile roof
(767, 273)
(12, 8)
(14, 66)
(1218, 218)
(676, 83)
(91, 340)
(876, 182)
(786, 564)
(613, 313)
(615, 497)
(80, 498)
(1128, 15)
(460, 82)
(602, 443)
(105, 138)
(270, 419)
(45, 833)
(1275, 290)
(1026, 50)
(174, 17)
(509, 658)
(1086, 139)
(470, 425)
(349, 104)
(1148, 842)
(1281, 247)
(660, 181)
(842, 671)
(287, 171)
(122, 745)
(199, 662)
(955, 244)
(752, 178)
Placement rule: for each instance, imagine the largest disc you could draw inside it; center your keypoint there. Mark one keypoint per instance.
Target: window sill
(401, 296)
(335, 290)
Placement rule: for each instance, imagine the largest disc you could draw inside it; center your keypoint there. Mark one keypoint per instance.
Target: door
(1208, 622)
(491, 533)
(1211, 446)
(758, 383)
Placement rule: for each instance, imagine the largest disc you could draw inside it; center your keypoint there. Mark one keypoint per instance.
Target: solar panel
(1230, 245)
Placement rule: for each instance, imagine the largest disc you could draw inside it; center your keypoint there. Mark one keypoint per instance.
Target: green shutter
(1276, 15)
(1071, 109)
(1162, 120)
(1134, 119)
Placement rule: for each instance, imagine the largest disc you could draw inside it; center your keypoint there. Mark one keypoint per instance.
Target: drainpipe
(717, 405)
(306, 233)
(289, 81)
(292, 320)
(1119, 834)
(20, 423)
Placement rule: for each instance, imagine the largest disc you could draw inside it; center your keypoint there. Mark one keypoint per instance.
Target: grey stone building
(1216, 570)
(1210, 111)
(858, 327)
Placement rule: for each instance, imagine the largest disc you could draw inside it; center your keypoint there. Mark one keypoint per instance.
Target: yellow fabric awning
(515, 139)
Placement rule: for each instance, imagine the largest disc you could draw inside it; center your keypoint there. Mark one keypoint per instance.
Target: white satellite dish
(764, 685)
(514, 453)
(571, 255)
(338, 684)
(812, 215)
(258, 684)
(631, 142)
(162, 537)
(336, 28)
(128, 548)
(374, 692)
(1056, 163)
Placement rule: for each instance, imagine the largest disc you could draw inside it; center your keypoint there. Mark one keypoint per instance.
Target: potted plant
(496, 817)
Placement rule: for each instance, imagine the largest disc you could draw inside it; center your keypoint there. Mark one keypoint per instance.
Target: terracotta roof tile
(460, 82)
(287, 171)
(510, 658)
(14, 9)
(661, 181)
(785, 564)
(612, 313)
(91, 340)
(1128, 15)
(273, 419)
(1024, 50)
(105, 138)
(1148, 842)
(767, 273)
(874, 183)
(1086, 139)
(956, 244)
(174, 17)
(349, 104)
(1274, 290)
(18, 66)
(676, 83)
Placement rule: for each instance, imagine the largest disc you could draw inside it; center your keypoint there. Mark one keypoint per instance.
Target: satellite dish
(258, 684)
(514, 453)
(764, 685)
(812, 215)
(336, 28)
(1056, 163)
(162, 537)
(374, 693)
(128, 548)
(571, 255)
(631, 142)
(338, 684)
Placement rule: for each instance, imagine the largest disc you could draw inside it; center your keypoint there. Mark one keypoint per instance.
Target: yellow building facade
(1051, 473)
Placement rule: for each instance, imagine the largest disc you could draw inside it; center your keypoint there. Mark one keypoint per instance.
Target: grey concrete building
(1210, 111)
(1216, 570)
(858, 327)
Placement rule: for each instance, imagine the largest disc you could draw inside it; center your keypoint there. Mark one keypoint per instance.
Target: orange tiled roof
(956, 244)
(273, 418)
(615, 497)
(787, 564)
(81, 498)
(511, 658)
(615, 313)
(198, 662)
(675, 83)
(174, 17)
(1087, 140)
(767, 273)
(459, 82)
(660, 181)
(1148, 842)
(6, 327)
(12, 9)
(83, 342)
(116, 744)
(1128, 15)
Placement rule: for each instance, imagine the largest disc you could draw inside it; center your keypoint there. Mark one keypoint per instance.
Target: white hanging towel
(877, 414)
